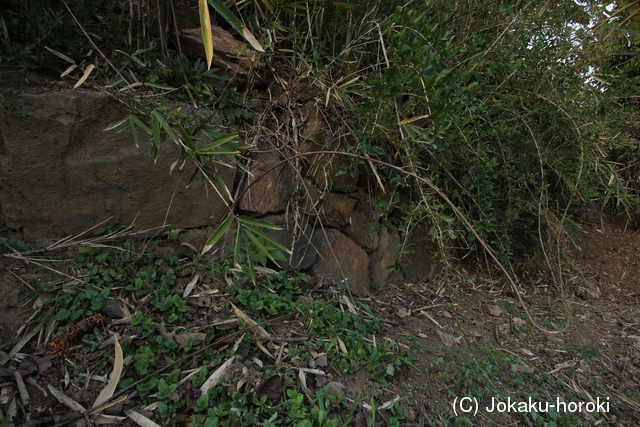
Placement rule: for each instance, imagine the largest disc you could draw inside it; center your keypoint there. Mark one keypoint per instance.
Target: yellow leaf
(85, 75)
(207, 36)
(251, 39)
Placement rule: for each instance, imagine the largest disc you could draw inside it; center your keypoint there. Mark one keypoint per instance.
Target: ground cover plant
(171, 340)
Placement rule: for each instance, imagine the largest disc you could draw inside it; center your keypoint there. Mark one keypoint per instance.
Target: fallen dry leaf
(525, 352)
(198, 337)
(563, 365)
(255, 328)
(523, 369)
(114, 379)
(343, 348)
(403, 312)
(335, 388)
(518, 321)
(189, 288)
(215, 378)
(66, 400)
(448, 340)
(271, 387)
(494, 310)
(140, 419)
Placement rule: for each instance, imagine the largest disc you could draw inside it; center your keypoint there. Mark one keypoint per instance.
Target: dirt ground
(464, 328)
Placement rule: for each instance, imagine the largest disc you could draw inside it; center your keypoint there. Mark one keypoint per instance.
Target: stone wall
(61, 173)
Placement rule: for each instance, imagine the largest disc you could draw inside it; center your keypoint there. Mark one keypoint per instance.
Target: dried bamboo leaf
(108, 391)
(24, 394)
(16, 348)
(66, 400)
(139, 419)
(189, 288)
(255, 328)
(85, 76)
(214, 379)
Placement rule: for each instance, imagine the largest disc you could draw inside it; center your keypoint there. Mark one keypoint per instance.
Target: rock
(233, 58)
(331, 209)
(271, 193)
(329, 172)
(62, 174)
(421, 265)
(340, 257)
(385, 255)
(296, 237)
(335, 209)
(360, 231)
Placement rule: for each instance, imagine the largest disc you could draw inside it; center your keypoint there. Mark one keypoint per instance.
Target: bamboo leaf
(174, 165)
(142, 125)
(263, 252)
(118, 123)
(163, 122)
(252, 271)
(68, 70)
(108, 391)
(265, 236)
(222, 228)
(160, 86)
(60, 55)
(217, 142)
(194, 175)
(207, 36)
(131, 86)
(134, 131)
(235, 23)
(221, 184)
(85, 76)
(157, 134)
(259, 223)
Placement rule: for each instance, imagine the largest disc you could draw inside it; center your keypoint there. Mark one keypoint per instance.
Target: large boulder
(61, 173)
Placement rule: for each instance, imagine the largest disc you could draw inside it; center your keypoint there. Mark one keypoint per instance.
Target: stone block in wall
(359, 228)
(61, 173)
(298, 237)
(423, 264)
(340, 257)
(271, 193)
(385, 254)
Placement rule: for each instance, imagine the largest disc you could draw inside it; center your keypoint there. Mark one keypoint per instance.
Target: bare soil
(473, 338)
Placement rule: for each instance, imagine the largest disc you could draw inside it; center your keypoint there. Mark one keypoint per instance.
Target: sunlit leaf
(85, 76)
(207, 36)
(235, 23)
(68, 70)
